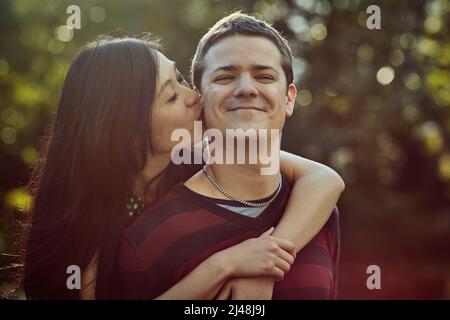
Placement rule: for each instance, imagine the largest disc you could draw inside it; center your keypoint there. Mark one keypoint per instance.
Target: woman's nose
(194, 99)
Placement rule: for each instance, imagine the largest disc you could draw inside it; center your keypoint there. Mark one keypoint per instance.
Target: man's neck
(241, 180)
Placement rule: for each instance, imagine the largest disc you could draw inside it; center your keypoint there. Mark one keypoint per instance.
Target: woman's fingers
(268, 232)
(284, 244)
(277, 273)
(283, 265)
(286, 256)
(225, 292)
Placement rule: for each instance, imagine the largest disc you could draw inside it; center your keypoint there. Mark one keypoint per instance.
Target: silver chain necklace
(231, 197)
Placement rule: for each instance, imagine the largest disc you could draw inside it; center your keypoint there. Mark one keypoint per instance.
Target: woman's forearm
(315, 192)
(202, 283)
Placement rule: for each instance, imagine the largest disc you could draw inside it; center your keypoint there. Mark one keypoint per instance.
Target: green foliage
(373, 104)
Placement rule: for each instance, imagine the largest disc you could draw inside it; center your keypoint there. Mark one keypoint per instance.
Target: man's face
(244, 86)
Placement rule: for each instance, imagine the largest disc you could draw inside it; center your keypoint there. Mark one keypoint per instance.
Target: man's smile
(245, 108)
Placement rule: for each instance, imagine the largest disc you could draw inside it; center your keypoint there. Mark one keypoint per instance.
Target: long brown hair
(88, 166)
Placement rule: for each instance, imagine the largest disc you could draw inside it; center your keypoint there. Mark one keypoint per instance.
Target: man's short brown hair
(240, 24)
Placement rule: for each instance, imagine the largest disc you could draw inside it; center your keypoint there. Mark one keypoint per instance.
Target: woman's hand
(263, 256)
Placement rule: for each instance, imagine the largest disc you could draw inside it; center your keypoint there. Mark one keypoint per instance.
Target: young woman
(111, 141)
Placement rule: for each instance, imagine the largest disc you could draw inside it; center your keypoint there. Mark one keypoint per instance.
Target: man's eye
(173, 98)
(224, 78)
(266, 77)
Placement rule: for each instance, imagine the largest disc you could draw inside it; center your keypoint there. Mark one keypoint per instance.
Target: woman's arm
(315, 191)
(265, 256)
(202, 283)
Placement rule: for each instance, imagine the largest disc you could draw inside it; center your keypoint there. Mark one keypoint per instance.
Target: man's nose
(245, 87)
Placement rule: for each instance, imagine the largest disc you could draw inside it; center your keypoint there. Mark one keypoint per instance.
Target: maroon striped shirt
(173, 236)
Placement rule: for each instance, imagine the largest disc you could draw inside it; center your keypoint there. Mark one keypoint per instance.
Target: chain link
(231, 197)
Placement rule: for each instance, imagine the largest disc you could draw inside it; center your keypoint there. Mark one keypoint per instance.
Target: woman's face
(176, 106)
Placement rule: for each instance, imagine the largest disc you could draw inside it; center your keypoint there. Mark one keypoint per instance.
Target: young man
(243, 70)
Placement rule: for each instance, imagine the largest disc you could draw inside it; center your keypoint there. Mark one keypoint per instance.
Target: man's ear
(290, 99)
(200, 94)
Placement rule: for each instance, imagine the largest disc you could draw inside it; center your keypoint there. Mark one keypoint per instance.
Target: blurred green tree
(373, 104)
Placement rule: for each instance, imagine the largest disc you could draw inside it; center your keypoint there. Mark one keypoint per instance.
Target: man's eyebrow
(260, 67)
(257, 67)
(226, 68)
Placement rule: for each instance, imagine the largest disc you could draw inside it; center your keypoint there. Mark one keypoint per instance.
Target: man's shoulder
(170, 205)
(333, 221)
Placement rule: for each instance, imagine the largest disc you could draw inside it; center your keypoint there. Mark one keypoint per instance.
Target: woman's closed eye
(173, 97)
(183, 82)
